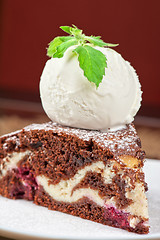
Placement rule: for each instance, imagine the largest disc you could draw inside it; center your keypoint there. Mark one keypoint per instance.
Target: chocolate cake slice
(91, 174)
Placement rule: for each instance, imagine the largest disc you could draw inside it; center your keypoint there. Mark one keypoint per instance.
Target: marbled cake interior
(71, 165)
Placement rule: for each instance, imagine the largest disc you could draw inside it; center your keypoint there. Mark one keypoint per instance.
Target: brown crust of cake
(118, 143)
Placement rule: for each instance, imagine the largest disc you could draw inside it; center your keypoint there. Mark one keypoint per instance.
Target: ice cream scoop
(68, 98)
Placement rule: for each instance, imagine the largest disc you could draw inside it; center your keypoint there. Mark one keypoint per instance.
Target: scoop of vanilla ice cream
(70, 99)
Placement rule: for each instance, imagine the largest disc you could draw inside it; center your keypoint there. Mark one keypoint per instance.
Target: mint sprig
(92, 61)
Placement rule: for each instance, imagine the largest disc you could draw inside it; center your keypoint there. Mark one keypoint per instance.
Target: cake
(94, 175)
(88, 160)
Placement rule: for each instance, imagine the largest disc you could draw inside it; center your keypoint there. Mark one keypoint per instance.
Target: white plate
(22, 219)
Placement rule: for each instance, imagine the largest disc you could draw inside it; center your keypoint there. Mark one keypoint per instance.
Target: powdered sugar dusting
(118, 142)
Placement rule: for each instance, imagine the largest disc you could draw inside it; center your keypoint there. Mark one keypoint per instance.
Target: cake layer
(88, 146)
(121, 142)
(72, 165)
(82, 184)
(84, 207)
(88, 209)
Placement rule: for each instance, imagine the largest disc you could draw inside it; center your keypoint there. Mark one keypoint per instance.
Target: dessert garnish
(111, 97)
(92, 61)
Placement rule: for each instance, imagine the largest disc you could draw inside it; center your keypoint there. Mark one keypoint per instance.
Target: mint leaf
(63, 47)
(53, 46)
(72, 30)
(55, 43)
(111, 45)
(96, 41)
(67, 29)
(76, 31)
(66, 38)
(92, 62)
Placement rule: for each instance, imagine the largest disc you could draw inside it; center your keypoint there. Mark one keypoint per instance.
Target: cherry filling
(26, 184)
(117, 218)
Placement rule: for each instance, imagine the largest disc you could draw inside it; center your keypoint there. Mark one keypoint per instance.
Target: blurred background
(26, 28)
